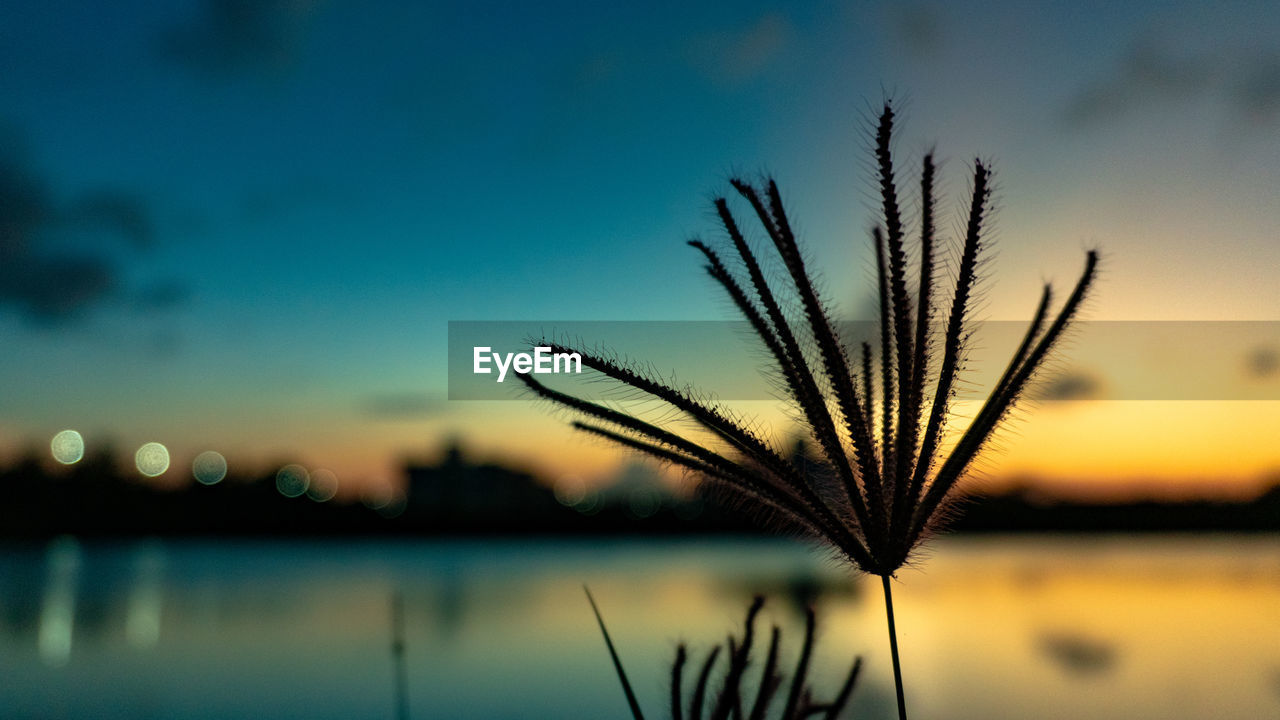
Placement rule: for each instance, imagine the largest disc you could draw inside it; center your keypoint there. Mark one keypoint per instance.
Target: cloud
(161, 296)
(917, 28)
(1256, 95)
(402, 406)
(1077, 654)
(733, 57)
(24, 205)
(52, 269)
(113, 211)
(242, 36)
(1263, 362)
(1245, 82)
(1070, 386)
(1144, 76)
(53, 290)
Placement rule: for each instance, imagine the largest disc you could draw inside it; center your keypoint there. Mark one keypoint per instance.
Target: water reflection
(57, 612)
(1081, 655)
(143, 608)
(1046, 628)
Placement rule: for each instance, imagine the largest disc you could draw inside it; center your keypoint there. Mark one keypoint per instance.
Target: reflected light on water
(323, 485)
(152, 459)
(67, 447)
(143, 607)
(58, 609)
(292, 480)
(209, 467)
(1159, 628)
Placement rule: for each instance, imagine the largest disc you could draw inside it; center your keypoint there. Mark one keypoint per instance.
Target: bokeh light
(152, 459)
(377, 497)
(209, 467)
(394, 507)
(570, 491)
(643, 502)
(323, 485)
(67, 447)
(292, 480)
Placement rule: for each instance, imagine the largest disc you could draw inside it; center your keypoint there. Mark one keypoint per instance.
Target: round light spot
(152, 459)
(67, 447)
(292, 480)
(395, 507)
(571, 491)
(377, 497)
(323, 486)
(643, 502)
(209, 467)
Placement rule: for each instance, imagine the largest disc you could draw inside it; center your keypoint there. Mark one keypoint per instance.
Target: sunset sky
(245, 226)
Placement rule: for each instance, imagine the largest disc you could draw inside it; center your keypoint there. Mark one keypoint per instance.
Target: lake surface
(991, 627)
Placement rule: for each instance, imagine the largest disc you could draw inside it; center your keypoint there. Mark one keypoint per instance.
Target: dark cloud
(50, 270)
(1256, 94)
(1263, 362)
(736, 56)
(917, 28)
(24, 201)
(113, 211)
(270, 202)
(54, 290)
(402, 406)
(1245, 82)
(161, 296)
(1077, 654)
(239, 36)
(1070, 386)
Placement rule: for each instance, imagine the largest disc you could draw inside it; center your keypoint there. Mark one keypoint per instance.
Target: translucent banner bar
(1103, 360)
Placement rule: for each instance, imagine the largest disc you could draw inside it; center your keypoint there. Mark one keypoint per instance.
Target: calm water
(1185, 627)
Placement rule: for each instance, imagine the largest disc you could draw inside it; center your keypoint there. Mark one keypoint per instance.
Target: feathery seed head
(874, 489)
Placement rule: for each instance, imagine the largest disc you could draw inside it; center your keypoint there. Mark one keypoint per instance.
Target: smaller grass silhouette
(734, 697)
(882, 483)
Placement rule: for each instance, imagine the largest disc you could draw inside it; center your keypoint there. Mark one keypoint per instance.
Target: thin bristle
(906, 491)
(998, 404)
(770, 681)
(887, 369)
(730, 697)
(868, 389)
(953, 340)
(802, 666)
(835, 364)
(617, 663)
(846, 690)
(764, 494)
(896, 306)
(700, 690)
(805, 388)
(677, 677)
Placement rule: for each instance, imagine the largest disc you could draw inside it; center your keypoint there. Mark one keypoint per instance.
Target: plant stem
(893, 647)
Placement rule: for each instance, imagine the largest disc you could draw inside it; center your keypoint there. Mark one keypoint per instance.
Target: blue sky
(245, 225)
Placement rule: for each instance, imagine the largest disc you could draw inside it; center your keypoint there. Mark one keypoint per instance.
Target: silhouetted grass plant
(732, 695)
(882, 483)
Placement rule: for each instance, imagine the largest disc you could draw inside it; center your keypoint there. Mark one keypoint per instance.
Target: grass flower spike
(880, 420)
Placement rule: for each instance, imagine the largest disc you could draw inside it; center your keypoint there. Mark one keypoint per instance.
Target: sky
(245, 226)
